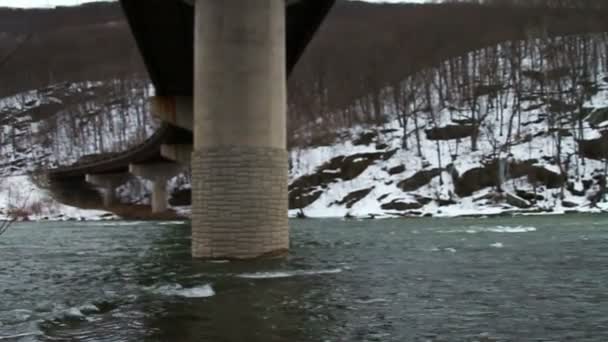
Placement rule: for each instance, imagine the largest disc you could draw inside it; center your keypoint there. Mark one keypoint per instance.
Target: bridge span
(219, 68)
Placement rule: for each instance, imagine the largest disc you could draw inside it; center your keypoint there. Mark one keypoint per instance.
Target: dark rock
(382, 197)
(572, 190)
(597, 117)
(396, 170)
(423, 200)
(401, 206)
(303, 200)
(517, 201)
(568, 204)
(587, 183)
(529, 196)
(354, 197)
(487, 176)
(557, 106)
(301, 214)
(365, 139)
(381, 146)
(451, 132)
(305, 190)
(444, 202)
(595, 148)
(419, 180)
(533, 122)
(562, 132)
(181, 197)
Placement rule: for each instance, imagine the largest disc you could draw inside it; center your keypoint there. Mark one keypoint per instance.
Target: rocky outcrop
(487, 176)
(401, 205)
(365, 138)
(354, 197)
(517, 201)
(595, 148)
(418, 180)
(452, 132)
(396, 170)
(307, 189)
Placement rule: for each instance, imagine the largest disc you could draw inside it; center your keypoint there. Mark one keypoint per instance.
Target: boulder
(487, 176)
(396, 170)
(354, 197)
(451, 132)
(365, 138)
(400, 205)
(419, 180)
(517, 201)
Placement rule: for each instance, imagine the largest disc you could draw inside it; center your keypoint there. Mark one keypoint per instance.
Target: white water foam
(508, 229)
(179, 291)
(497, 245)
(286, 274)
(172, 223)
(495, 229)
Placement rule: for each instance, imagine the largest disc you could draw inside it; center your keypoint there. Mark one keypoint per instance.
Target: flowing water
(498, 279)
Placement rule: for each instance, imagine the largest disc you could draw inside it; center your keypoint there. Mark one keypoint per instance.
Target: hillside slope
(518, 127)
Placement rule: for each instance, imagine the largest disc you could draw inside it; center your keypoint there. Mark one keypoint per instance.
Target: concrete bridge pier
(239, 163)
(159, 174)
(108, 184)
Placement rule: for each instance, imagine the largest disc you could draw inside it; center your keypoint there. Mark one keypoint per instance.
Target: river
(461, 279)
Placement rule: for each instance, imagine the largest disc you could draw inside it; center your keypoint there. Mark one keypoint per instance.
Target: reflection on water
(508, 279)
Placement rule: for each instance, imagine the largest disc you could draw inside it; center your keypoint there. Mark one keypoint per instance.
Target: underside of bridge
(230, 59)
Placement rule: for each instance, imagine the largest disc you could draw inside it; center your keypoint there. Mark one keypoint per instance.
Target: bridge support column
(108, 184)
(239, 163)
(159, 174)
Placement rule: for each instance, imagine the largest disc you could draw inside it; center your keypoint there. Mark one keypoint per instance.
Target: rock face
(452, 132)
(399, 205)
(418, 180)
(517, 201)
(307, 189)
(487, 176)
(595, 148)
(354, 197)
(396, 170)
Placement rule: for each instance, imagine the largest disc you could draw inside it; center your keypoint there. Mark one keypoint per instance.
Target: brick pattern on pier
(239, 202)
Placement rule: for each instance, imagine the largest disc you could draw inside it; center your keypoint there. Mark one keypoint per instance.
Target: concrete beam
(178, 153)
(108, 184)
(159, 174)
(176, 110)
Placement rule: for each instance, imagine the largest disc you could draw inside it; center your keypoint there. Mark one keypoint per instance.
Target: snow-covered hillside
(517, 127)
(524, 134)
(59, 125)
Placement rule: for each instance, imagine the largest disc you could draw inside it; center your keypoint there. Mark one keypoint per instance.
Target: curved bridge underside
(164, 32)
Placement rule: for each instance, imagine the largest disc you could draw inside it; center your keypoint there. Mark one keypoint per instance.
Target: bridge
(219, 68)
